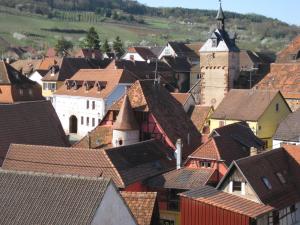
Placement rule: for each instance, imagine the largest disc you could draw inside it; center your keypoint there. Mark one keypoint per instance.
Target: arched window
(73, 125)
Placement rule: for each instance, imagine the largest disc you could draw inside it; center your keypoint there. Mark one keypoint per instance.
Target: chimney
(178, 154)
(253, 151)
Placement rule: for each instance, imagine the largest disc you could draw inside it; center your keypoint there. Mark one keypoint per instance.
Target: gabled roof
(108, 79)
(9, 75)
(239, 104)
(67, 67)
(178, 64)
(220, 199)
(284, 56)
(124, 165)
(144, 52)
(26, 66)
(182, 50)
(182, 98)
(30, 123)
(126, 118)
(229, 143)
(49, 199)
(225, 42)
(266, 166)
(284, 77)
(88, 53)
(289, 128)
(184, 179)
(143, 206)
(145, 96)
(199, 115)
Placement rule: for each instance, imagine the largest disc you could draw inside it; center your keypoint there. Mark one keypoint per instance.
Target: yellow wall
(170, 215)
(267, 124)
(49, 93)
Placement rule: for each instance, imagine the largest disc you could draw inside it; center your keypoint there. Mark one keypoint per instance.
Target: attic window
(267, 183)
(214, 42)
(236, 186)
(281, 178)
(206, 164)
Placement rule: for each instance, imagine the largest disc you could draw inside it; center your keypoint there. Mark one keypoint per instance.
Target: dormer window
(266, 183)
(101, 86)
(214, 42)
(205, 164)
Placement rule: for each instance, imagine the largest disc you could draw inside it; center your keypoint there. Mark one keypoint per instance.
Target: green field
(23, 29)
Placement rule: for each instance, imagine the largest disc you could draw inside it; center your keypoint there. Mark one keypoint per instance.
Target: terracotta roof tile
(142, 205)
(239, 104)
(267, 165)
(30, 123)
(124, 165)
(169, 113)
(184, 179)
(49, 199)
(200, 115)
(220, 199)
(292, 49)
(181, 97)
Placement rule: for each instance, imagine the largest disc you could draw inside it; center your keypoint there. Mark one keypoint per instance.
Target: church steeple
(220, 18)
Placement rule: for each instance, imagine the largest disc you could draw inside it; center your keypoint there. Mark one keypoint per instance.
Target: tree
(106, 47)
(118, 47)
(63, 46)
(92, 40)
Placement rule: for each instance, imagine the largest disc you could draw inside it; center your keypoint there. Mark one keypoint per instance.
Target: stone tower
(219, 64)
(126, 129)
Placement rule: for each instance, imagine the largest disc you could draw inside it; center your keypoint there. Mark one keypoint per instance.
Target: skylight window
(267, 183)
(281, 178)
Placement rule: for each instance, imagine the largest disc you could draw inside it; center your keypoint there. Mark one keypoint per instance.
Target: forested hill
(134, 22)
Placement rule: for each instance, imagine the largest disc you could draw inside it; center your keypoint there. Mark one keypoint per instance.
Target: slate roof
(284, 56)
(143, 206)
(289, 128)
(182, 50)
(199, 115)
(220, 199)
(266, 165)
(184, 179)
(86, 82)
(239, 104)
(124, 165)
(144, 52)
(178, 64)
(9, 75)
(284, 77)
(28, 198)
(146, 97)
(67, 67)
(229, 143)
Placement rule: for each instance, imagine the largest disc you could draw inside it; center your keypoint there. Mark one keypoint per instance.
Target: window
(87, 104)
(206, 164)
(120, 142)
(259, 127)
(198, 76)
(30, 92)
(131, 57)
(21, 91)
(45, 86)
(281, 178)
(236, 186)
(82, 120)
(93, 122)
(214, 42)
(277, 107)
(99, 121)
(267, 183)
(93, 105)
(87, 121)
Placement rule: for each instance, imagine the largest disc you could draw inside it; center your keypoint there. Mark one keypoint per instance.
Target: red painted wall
(193, 212)
(136, 187)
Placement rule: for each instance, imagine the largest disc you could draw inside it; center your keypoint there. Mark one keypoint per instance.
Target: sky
(284, 10)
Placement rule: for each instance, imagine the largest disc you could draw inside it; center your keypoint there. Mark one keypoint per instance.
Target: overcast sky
(285, 10)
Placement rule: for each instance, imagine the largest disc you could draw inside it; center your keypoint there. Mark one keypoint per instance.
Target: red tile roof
(292, 49)
(146, 97)
(143, 206)
(220, 199)
(86, 82)
(30, 123)
(125, 165)
(184, 179)
(181, 97)
(200, 115)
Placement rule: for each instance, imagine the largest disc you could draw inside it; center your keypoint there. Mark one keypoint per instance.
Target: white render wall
(113, 210)
(136, 56)
(67, 106)
(128, 137)
(36, 76)
(278, 143)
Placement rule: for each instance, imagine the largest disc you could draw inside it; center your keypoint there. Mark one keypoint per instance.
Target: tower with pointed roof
(126, 129)
(219, 63)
